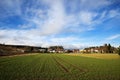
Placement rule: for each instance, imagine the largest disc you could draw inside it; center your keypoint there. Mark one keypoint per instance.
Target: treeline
(6, 50)
(106, 48)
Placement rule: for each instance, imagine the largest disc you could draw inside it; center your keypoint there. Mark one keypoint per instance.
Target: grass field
(98, 55)
(60, 67)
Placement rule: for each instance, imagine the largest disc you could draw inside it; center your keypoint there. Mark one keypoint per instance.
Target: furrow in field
(61, 65)
(72, 65)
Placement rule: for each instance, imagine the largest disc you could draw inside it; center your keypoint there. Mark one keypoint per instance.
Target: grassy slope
(58, 67)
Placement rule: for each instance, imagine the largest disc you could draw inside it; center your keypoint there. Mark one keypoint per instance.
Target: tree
(118, 50)
(109, 48)
(105, 48)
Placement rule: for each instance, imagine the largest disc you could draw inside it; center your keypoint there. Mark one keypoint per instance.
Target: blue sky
(71, 23)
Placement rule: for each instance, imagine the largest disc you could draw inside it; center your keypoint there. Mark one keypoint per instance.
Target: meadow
(60, 67)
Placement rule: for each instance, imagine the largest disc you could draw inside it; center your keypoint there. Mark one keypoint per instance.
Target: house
(56, 49)
(43, 50)
(106, 48)
(68, 51)
(83, 51)
(76, 50)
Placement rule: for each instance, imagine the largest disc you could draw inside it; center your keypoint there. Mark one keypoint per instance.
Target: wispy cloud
(56, 19)
(44, 20)
(10, 8)
(113, 37)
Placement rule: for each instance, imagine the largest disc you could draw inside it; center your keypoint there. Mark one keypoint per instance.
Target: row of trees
(106, 48)
(19, 49)
(109, 48)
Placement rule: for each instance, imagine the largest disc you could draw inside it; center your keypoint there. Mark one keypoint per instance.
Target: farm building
(56, 49)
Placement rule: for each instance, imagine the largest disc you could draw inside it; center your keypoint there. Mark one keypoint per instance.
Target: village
(22, 49)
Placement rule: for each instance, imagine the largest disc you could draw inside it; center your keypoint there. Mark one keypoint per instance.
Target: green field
(58, 67)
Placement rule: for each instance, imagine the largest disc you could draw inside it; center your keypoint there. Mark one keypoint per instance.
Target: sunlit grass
(97, 55)
(58, 67)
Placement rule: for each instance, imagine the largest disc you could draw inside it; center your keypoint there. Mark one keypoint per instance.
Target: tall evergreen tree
(109, 48)
(105, 48)
(118, 50)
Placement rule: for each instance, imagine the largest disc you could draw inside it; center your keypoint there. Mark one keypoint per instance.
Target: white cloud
(113, 37)
(11, 8)
(43, 23)
(113, 13)
(86, 5)
(46, 21)
(22, 37)
(83, 21)
(64, 39)
(86, 17)
(56, 19)
(93, 4)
